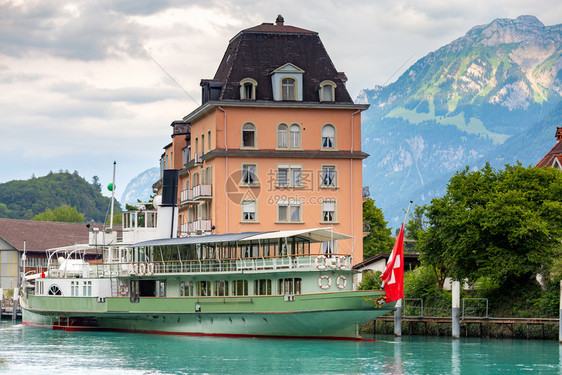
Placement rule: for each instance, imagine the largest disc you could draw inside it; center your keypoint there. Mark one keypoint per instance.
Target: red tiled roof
(548, 159)
(42, 235)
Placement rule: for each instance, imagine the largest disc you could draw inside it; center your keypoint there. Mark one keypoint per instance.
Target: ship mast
(112, 197)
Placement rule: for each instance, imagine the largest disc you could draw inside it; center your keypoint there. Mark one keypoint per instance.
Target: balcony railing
(201, 192)
(186, 196)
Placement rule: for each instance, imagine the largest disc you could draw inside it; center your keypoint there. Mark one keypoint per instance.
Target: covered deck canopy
(312, 235)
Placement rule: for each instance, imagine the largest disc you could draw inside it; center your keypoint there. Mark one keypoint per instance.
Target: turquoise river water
(30, 350)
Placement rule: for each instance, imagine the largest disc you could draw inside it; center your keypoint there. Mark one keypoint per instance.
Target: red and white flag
(393, 275)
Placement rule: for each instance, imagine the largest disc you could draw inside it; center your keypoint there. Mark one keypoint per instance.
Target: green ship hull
(327, 315)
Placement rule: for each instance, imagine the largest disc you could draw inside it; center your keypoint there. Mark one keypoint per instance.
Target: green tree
(378, 240)
(370, 281)
(505, 225)
(64, 213)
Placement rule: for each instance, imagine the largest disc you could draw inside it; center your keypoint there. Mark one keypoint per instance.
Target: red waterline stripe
(197, 334)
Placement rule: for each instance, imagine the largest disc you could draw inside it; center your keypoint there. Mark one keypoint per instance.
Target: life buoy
(150, 269)
(341, 281)
(123, 290)
(324, 263)
(142, 269)
(321, 282)
(341, 262)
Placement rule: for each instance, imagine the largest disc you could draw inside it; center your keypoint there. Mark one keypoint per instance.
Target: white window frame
(243, 86)
(255, 181)
(326, 205)
(283, 139)
(291, 169)
(334, 138)
(321, 92)
(249, 203)
(255, 140)
(295, 141)
(334, 182)
(290, 203)
(283, 85)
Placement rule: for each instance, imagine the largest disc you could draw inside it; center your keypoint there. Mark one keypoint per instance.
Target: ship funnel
(168, 210)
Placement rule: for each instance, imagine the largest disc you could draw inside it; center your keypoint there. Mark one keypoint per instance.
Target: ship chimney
(280, 20)
(558, 134)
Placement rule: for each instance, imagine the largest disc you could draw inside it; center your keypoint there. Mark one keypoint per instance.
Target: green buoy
(110, 187)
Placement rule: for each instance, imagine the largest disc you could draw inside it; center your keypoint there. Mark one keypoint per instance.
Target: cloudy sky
(81, 83)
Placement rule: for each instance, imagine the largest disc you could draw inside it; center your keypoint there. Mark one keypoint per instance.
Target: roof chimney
(558, 134)
(280, 20)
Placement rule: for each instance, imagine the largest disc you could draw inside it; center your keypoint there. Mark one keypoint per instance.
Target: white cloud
(79, 89)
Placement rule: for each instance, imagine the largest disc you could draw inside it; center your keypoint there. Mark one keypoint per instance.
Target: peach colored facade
(216, 134)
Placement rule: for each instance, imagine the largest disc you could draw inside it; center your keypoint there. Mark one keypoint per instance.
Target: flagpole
(398, 306)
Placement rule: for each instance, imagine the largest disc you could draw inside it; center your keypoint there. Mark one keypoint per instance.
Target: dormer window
(327, 91)
(248, 89)
(287, 83)
(288, 89)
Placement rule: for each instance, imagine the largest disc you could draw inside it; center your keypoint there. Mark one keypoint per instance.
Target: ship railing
(212, 265)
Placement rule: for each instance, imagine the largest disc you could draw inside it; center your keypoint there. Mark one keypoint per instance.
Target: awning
(313, 235)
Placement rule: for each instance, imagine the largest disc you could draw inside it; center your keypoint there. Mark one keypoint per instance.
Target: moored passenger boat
(252, 283)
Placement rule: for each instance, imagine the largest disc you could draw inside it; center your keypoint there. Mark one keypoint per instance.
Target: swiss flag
(393, 276)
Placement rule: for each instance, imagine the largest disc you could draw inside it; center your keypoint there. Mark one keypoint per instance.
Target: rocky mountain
(480, 98)
(140, 187)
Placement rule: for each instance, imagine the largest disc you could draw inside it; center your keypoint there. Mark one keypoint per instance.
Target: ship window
(262, 287)
(203, 288)
(187, 288)
(221, 288)
(290, 286)
(240, 287)
(54, 290)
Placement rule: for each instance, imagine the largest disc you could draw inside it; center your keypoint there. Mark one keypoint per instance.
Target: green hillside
(23, 199)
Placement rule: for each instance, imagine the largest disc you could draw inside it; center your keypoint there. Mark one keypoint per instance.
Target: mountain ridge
(455, 106)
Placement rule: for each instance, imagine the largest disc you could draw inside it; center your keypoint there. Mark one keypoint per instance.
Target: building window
(209, 140)
(327, 91)
(295, 136)
(202, 144)
(249, 176)
(248, 89)
(249, 135)
(328, 176)
(329, 247)
(328, 136)
(282, 130)
(289, 211)
(329, 211)
(249, 210)
(289, 175)
(288, 89)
